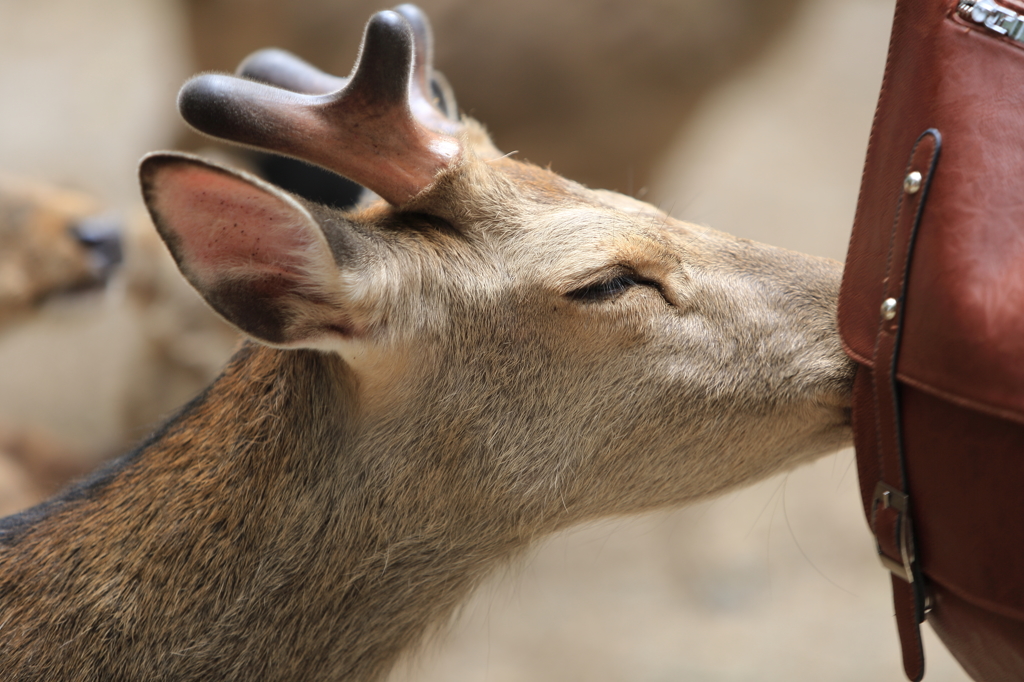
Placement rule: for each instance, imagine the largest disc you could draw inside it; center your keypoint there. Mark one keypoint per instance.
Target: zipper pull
(993, 17)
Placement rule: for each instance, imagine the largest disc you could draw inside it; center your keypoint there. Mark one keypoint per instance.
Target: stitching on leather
(922, 196)
(899, 288)
(881, 324)
(916, 646)
(910, 241)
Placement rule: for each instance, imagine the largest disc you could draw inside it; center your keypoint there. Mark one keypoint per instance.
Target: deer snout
(838, 391)
(102, 238)
(802, 294)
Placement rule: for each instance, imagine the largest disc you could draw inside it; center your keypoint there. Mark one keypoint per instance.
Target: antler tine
(285, 70)
(430, 97)
(422, 95)
(365, 131)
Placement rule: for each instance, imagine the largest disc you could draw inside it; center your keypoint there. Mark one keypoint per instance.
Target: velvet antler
(377, 127)
(429, 95)
(284, 70)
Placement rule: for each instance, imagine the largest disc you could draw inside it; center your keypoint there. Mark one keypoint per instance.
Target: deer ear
(252, 251)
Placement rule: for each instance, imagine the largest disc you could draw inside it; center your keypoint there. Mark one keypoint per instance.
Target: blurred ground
(777, 582)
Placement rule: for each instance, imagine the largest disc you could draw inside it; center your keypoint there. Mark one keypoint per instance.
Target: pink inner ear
(223, 225)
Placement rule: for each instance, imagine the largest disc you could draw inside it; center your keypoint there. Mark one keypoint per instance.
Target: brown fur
(39, 256)
(444, 391)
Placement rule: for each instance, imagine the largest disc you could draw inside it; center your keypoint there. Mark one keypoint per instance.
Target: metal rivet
(912, 183)
(889, 308)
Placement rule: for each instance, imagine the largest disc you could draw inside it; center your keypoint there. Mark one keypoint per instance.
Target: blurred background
(750, 116)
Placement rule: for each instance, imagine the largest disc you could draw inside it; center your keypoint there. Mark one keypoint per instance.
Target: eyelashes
(610, 289)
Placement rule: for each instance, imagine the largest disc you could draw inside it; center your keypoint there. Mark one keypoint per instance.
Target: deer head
(611, 357)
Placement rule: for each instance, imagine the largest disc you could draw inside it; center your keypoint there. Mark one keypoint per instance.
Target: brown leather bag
(932, 309)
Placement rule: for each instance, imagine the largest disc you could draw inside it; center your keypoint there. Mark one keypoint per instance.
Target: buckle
(888, 497)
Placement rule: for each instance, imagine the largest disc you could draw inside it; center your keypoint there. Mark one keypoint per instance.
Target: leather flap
(963, 317)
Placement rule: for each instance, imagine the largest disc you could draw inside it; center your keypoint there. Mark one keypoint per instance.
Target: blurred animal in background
(52, 241)
(60, 242)
(182, 343)
(484, 355)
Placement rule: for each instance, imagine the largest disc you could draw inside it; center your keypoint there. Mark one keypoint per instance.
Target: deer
(53, 241)
(480, 354)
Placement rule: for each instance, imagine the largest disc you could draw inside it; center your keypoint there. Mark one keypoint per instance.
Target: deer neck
(332, 579)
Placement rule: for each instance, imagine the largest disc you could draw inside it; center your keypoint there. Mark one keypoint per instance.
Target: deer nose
(101, 236)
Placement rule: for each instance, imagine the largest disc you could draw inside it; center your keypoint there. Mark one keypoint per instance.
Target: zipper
(995, 18)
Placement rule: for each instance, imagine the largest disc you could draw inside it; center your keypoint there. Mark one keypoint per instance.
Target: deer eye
(608, 289)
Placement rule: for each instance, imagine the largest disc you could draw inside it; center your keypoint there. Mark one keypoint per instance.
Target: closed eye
(609, 289)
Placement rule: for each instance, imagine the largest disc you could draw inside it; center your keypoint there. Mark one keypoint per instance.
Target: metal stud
(889, 309)
(912, 183)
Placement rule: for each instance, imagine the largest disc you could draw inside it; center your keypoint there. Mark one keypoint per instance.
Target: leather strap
(891, 510)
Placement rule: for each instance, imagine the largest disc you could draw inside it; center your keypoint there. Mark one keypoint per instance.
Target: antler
(431, 98)
(284, 70)
(372, 127)
(425, 80)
